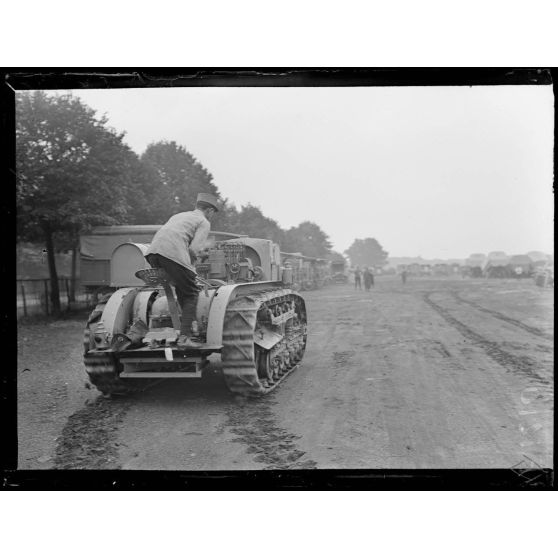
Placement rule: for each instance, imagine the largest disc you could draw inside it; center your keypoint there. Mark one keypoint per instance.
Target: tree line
(74, 172)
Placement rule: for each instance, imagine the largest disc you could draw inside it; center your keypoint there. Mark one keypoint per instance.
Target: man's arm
(200, 238)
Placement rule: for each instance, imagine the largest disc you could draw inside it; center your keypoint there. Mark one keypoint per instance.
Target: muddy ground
(431, 374)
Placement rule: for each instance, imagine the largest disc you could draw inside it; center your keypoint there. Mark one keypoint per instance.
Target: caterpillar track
(248, 368)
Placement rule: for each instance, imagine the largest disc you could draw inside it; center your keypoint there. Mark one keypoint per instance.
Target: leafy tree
(366, 252)
(172, 179)
(148, 205)
(251, 221)
(336, 256)
(72, 173)
(309, 239)
(226, 220)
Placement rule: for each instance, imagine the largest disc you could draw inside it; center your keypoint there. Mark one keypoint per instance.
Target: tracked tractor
(247, 313)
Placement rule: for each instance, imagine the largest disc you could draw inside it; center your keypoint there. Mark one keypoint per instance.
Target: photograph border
(526, 475)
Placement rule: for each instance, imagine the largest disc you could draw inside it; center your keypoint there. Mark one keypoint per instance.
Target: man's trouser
(187, 291)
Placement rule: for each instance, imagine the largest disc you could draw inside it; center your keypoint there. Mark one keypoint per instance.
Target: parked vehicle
(338, 271)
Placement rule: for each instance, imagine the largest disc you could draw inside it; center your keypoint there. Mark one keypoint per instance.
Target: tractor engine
(227, 262)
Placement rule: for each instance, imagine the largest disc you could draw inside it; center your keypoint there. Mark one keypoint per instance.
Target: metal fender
(141, 303)
(118, 311)
(217, 311)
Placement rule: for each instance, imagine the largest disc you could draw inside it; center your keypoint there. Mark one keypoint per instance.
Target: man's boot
(187, 320)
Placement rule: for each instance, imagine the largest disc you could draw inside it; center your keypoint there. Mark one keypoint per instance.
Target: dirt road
(431, 374)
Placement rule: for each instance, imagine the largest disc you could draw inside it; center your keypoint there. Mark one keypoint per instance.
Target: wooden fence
(33, 296)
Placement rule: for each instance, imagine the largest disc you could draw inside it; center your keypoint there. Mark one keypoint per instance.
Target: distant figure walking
(357, 279)
(368, 279)
(404, 276)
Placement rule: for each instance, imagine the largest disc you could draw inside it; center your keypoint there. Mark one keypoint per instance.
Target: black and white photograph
(284, 278)
(290, 276)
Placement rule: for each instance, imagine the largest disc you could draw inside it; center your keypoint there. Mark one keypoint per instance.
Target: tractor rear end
(246, 313)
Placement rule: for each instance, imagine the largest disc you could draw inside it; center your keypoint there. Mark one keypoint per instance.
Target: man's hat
(208, 198)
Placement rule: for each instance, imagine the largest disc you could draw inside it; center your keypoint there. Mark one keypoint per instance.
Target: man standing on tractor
(174, 248)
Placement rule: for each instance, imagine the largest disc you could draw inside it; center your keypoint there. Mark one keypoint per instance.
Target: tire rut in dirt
(88, 440)
(253, 421)
(515, 364)
(533, 330)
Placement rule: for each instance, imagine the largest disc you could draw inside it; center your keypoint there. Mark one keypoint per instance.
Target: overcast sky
(437, 172)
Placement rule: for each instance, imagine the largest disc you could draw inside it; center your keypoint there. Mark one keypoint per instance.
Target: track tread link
(238, 354)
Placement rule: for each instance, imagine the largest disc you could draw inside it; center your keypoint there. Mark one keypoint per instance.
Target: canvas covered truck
(338, 271)
(474, 265)
(317, 272)
(96, 250)
(497, 265)
(247, 313)
(308, 272)
(520, 266)
(295, 262)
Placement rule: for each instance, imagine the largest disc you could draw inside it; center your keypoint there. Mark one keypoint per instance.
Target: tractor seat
(154, 277)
